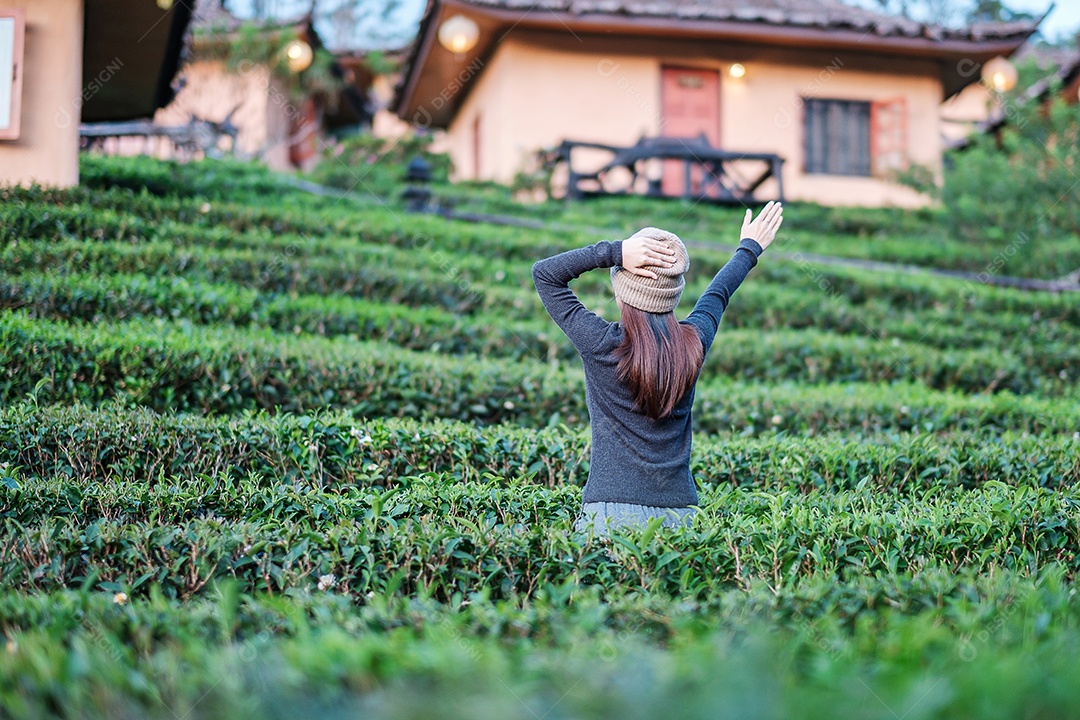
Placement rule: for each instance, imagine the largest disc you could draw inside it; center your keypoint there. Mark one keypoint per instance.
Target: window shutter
(888, 136)
(12, 35)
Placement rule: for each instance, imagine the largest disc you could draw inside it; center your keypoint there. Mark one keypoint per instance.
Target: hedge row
(813, 357)
(440, 538)
(260, 270)
(120, 215)
(169, 366)
(514, 325)
(336, 451)
(95, 298)
(137, 218)
(236, 655)
(306, 229)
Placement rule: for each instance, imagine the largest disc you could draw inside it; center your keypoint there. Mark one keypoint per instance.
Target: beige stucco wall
(211, 92)
(47, 151)
(385, 123)
(537, 90)
(961, 113)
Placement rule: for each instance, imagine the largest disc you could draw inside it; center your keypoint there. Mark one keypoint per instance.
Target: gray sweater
(635, 459)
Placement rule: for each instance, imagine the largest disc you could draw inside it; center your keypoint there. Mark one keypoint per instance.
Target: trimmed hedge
(265, 271)
(515, 324)
(336, 451)
(437, 538)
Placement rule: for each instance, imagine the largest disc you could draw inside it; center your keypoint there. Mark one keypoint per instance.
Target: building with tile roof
(845, 95)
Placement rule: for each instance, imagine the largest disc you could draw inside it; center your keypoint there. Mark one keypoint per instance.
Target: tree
(933, 12)
(995, 11)
(343, 24)
(951, 12)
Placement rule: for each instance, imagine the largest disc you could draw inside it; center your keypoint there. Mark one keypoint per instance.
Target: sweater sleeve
(552, 279)
(711, 305)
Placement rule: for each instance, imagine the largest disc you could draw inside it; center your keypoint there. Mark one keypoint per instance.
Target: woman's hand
(763, 228)
(640, 253)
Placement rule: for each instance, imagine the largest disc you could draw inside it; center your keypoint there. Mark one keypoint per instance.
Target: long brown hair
(658, 358)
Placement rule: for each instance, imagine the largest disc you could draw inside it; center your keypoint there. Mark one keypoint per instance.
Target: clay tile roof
(806, 13)
(1049, 56)
(816, 19)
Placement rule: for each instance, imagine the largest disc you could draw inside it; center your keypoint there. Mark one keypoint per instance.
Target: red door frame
(673, 175)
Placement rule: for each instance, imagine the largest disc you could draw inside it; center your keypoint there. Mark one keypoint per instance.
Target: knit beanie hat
(660, 295)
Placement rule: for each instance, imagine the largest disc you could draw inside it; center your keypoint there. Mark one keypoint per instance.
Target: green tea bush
(1018, 186)
(437, 541)
(338, 451)
(367, 164)
(208, 510)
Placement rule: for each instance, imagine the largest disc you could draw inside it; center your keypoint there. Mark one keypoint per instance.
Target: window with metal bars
(837, 136)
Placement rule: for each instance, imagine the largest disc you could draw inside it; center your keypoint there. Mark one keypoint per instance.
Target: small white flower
(776, 419)
(327, 581)
(508, 405)
(500, 275)
(372, 467)
(313, 447)
(120, 598)
(416, 436)
(205, 208)
(904, 409)
(360, 435)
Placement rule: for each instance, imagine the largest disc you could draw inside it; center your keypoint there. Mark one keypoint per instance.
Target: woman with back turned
(640, 374)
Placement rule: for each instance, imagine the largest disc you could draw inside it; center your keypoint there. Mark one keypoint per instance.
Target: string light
(298, 56)
(459, 34)
(999, 74)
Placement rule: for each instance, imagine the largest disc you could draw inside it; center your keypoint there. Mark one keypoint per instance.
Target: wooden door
(690, 100)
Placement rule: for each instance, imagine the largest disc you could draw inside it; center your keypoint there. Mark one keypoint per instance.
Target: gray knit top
(635, 459)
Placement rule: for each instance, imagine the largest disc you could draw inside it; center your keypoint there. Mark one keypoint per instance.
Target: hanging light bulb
(165, 4)
(999, 74)
(459, 34)
(737, 70)
(298, 56)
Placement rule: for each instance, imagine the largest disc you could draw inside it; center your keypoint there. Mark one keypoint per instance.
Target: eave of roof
(1065, 80)
(765, 26)
(131, 53)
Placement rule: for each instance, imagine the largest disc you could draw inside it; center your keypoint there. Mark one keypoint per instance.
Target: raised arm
(639, 255)
(552, 279)
(757, 234)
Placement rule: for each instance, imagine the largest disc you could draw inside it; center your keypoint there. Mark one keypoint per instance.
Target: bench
(708, 173)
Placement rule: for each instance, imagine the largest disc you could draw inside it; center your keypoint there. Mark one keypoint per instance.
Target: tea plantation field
(266, 454)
